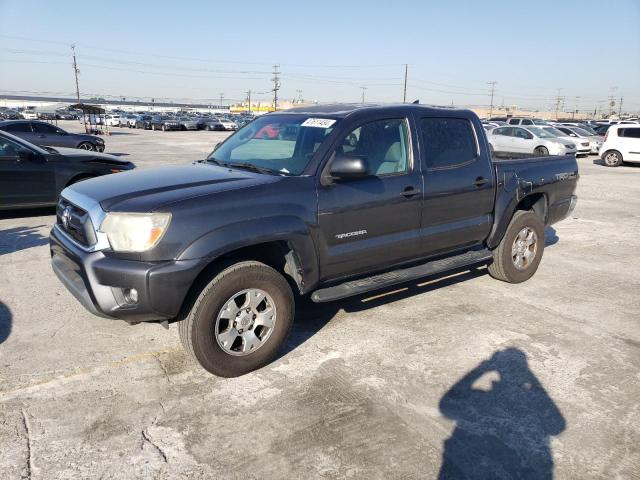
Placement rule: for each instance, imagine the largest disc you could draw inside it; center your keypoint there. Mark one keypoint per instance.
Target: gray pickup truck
(324, 203)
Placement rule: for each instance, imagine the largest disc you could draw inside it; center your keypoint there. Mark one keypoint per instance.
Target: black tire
(86, 146)
(612, 158)
(503, 266)
(541, 151)
(197, 328)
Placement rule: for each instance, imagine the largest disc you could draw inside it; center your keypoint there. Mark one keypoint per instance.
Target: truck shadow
(5, 322)
(504, 422)
(21, 238)
(312, 317)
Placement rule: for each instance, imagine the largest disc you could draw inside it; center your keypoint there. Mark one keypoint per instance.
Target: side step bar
(383, 280)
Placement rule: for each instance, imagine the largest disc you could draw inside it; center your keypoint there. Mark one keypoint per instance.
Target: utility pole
(575, 110)
(620, 107)
(76, 71)
(276, 85)
(221, 99)
(249, 100)
(558, 100)
(612, 99)
(492, 92)
(404, 95)
(363, 89)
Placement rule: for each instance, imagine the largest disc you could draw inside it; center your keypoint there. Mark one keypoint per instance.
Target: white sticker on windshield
(318, 122)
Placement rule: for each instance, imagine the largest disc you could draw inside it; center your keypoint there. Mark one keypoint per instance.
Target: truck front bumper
(103, 284)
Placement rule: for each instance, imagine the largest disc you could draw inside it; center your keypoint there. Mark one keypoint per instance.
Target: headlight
(134, 232)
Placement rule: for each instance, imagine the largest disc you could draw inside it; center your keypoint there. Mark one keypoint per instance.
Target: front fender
(234, 236)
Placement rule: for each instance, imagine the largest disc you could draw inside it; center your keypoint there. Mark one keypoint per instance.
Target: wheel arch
(536, 202)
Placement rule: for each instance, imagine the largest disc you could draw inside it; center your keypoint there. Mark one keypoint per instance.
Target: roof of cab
(341, 110)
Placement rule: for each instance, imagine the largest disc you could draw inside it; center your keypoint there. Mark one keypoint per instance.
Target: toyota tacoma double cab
(350, 200)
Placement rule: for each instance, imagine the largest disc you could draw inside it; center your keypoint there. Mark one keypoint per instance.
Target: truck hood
(150, 189)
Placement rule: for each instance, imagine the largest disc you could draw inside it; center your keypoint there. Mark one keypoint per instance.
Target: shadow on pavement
(503, 428)
(5, 322)
(312, 317)
(550, 237)
(21, 238)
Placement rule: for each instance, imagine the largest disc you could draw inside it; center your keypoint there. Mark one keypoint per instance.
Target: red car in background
(269, 131)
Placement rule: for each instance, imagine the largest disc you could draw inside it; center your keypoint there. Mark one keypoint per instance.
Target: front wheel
(519, 253)
(541, 151)
(240, 320)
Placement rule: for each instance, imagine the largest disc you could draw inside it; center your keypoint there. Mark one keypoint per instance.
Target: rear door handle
(480, 181)
(410, 192)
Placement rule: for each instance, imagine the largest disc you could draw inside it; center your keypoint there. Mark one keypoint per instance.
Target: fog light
(131, 295)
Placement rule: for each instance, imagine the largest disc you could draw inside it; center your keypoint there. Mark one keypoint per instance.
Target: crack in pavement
(145, 437)
(27, 428)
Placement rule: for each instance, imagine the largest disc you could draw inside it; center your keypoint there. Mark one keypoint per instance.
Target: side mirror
(26, 155)
(348, 168)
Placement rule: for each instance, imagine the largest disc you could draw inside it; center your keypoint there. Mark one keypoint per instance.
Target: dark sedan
(31, 176)
(46, 135)
(163, 123)
(143, 122)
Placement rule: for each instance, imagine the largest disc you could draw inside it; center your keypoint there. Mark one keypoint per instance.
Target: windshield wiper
(249, 166)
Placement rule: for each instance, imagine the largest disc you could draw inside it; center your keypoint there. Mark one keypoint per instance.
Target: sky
(583, 51)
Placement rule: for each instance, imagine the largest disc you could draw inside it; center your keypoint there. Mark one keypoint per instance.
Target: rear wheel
(519, 253)
(240, 319)
(86, 146)
(612, 158)
(541, 151)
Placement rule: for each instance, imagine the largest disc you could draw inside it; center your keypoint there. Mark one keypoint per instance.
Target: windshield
(580, 131)
(555, 132)
(540, 132)
(279, 143)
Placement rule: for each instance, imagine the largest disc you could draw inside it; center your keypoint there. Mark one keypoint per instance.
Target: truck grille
(75, 222)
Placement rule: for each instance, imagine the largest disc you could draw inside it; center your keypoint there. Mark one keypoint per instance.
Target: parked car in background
(187, 123)
(143, 122)
(621, 144)
(164, 123)
(582, 148)
(601, 129)
(32, 176)
(516, 141)
(47, 116)
(112, 120)
(65, 115)
(45, 134)
(10, 115)
(582, 137)
(526, 121)
(30, 114)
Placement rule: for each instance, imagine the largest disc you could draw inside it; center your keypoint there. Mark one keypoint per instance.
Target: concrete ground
(457, 376)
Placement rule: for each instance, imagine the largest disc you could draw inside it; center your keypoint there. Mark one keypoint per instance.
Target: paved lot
(368, 388)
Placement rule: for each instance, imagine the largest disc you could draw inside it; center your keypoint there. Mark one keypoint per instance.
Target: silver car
(516, 140)
(188, 123)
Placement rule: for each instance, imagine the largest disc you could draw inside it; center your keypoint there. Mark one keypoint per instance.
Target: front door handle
(410, 192)
(480, 181)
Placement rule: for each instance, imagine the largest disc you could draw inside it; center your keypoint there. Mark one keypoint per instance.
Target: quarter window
(448, 142)
(629, 132)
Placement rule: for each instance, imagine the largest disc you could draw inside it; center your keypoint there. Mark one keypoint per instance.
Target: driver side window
(8, 149)
(383, 144)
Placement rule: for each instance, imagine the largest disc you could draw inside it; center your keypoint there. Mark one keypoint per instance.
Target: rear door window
(448, 142)
(22, 127)
(44, 128)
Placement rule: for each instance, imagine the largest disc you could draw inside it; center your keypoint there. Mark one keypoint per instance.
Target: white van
(621, 144)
